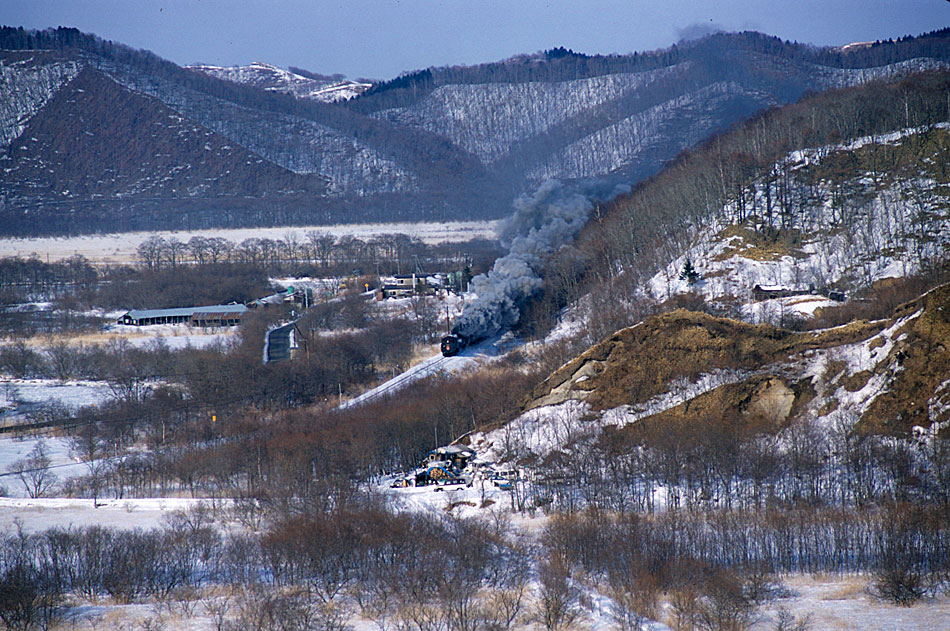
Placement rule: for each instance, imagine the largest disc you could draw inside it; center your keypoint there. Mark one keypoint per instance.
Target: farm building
(406, 285)
(212, 316)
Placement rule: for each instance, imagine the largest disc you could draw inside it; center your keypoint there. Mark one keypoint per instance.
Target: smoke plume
(541, 223)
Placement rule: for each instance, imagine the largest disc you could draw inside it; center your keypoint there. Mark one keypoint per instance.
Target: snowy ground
(845, 602)
(479, 500)
(779, 309)
(173, 336)
(39, 514)
(62, 464)
(120, 248)
(20, 396)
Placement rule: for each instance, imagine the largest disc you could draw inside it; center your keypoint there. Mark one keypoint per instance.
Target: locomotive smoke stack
(541, 223)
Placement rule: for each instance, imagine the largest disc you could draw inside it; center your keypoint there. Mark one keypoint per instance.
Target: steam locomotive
(453, 344)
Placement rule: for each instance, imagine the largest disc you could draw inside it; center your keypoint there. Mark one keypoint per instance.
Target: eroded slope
(889, 376)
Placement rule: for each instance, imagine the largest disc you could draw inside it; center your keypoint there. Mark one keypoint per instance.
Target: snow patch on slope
(274, 79)
(25, 89)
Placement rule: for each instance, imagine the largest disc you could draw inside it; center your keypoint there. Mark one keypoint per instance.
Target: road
(277, 343)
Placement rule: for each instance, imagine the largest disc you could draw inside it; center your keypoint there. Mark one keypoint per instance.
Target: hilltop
(296, 82)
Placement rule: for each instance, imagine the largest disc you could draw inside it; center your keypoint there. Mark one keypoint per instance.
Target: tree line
(304, 571)
(559, 64)
(319, 569)
(207, 270)
(318, 250)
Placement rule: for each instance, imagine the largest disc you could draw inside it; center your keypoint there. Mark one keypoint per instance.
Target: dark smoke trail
(541, 223)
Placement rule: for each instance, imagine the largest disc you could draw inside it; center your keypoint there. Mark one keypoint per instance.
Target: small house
(768, 292)
(404, 286)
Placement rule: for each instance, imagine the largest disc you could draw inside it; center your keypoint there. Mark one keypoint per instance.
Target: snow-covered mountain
(274, 79)
(431, 145)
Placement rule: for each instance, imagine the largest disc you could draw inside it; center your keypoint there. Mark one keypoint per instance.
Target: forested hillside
(834, 193)
(810, 249)
(439, 143)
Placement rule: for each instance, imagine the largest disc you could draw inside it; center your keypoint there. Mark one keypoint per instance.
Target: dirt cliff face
(639, 362)
(887, 376)
(918, 394)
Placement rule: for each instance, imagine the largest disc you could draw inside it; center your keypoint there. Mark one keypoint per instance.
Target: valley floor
(121, 248)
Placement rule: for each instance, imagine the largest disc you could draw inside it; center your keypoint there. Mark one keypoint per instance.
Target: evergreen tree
(689, 273)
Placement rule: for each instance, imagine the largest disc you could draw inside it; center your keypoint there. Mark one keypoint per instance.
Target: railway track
(420, 371)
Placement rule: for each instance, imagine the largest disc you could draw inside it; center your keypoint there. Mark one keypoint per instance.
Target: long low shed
(215, 315)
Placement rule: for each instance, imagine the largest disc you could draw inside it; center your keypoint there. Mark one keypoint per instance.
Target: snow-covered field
(33, 392)
(62, 464)
(173, 336)
(42, 513)
(121, 248)
(20, 396)
(845, 602)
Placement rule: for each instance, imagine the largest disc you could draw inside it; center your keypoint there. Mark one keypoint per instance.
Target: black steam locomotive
(453, 344)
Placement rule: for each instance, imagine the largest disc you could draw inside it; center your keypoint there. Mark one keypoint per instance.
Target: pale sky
(381, 38)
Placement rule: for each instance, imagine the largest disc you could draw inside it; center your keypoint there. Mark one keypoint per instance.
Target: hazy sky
(381, 38)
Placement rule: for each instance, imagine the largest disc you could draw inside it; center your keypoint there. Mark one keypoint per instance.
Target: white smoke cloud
(541, 223)
(698, 30)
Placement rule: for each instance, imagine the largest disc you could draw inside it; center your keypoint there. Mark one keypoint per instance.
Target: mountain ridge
(412, 149)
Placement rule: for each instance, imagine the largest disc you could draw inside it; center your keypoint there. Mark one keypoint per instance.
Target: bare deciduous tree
(33, 471)
(558, 607)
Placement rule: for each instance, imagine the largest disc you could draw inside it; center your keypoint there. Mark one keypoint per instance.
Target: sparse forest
(738, 178)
